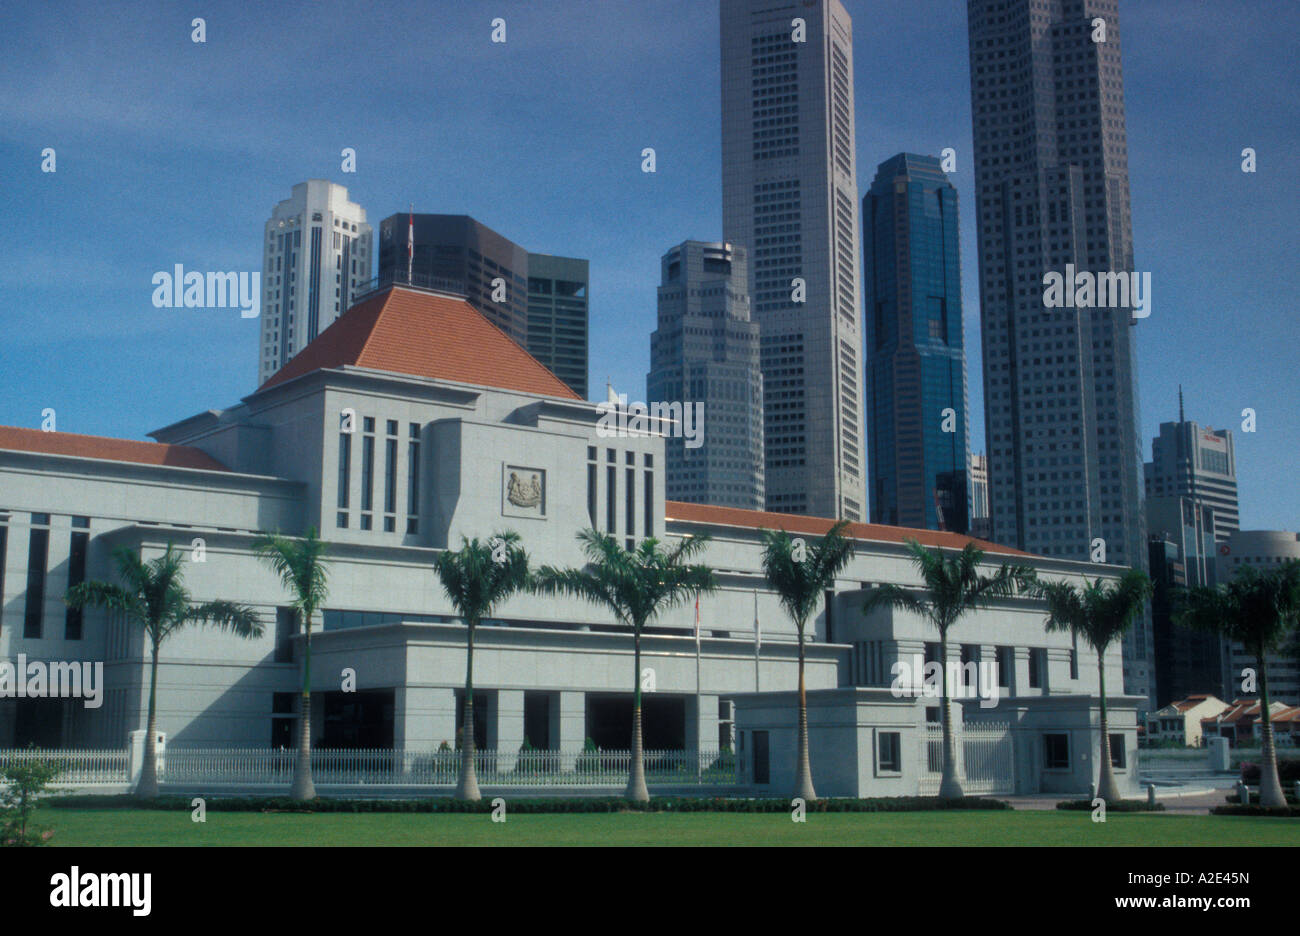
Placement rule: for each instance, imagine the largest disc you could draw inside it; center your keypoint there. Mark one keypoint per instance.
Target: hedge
(1128, 805)
(1292, 812)
(537, 805)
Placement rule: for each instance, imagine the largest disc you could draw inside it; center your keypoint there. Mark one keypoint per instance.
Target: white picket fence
(261, 766)
(77, 766)
(987, 759)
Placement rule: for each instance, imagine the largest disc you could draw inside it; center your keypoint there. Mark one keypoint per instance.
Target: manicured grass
(1030, 827)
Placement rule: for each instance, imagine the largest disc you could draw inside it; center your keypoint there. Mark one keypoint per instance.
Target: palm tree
(153, 597)
(476, 577)
(1256, 609)
(800, 574)
(1099, 612)
(636, 584)
(953, 585)
(301, 567)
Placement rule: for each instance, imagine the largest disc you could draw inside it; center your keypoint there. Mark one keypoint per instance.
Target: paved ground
(1192, 801)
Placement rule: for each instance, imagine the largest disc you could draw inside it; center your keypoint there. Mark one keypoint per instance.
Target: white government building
(451, 422)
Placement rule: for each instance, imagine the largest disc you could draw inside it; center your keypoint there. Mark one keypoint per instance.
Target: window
(413, 479)
(1117, 752)
(1036, 668)
(286, 626)
(1056, 751)
(611, 498)
(889, 752)
(38, 548)
(72, 621)
(1006, 666)
(390, 476)
(345, 473)
(368, 470)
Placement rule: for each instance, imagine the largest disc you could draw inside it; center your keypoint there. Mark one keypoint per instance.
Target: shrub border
(662, 804)
(1128, 805)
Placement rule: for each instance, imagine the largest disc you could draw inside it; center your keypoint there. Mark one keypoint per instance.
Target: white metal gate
(986, 758)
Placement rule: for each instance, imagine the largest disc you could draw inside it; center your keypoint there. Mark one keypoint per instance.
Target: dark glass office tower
(540, 301)
(1052, 191)
(918, 438)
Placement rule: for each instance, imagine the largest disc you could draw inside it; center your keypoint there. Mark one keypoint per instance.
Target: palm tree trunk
(467, 786)
(949, 786)
(1270, 785)
(636, 788)
(148, 785)
(1107, 789)
(303, 788)
(803, 785)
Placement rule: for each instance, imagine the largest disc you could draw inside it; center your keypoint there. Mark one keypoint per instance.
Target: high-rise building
(789, 196)
(979, 496)
(316, 256)
(1266, 550)
(1052, 197)
(918, 437)
(558, 323)
(1182, 554)
(1197, 462)
(706, 350)
(538, 300)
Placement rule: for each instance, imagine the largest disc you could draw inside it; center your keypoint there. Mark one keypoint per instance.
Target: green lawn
(1049, 827)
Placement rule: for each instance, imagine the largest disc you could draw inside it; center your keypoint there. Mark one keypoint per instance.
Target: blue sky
(174, 152)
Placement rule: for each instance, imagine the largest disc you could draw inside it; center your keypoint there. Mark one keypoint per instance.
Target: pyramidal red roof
(819, 526)
(407, 331)
(123, 450)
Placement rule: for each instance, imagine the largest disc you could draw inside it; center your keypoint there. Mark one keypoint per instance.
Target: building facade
(705, 354)
(980, 527)
(316, 257)
(918, 434)
(1198, 463)
(539, 300)
(790, 198)
(1052, 197)
(394, 451)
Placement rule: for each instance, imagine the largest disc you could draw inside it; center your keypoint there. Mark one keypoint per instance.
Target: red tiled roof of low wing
(407, 331)
(108, 449)
(818, 526)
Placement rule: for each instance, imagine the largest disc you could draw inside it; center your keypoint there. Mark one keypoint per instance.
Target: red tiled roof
(122, 450)
(406, 331)
(818, 526)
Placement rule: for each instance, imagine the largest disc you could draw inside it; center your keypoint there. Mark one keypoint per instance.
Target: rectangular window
(629, 505)
(1074, 658)
(1006, 665)
(1036, 668)
(390, 476)
(367, 473)
(889, 752)
(1056, 751)
(591, 493)
(286, 626)
(413, 479)
(1117, 753)
(38, 548)
(649, 497)
(72, 620)
(345, 472)
(611, 499)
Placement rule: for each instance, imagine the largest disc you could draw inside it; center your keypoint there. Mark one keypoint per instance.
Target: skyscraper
(316, 256)
(539, 300)
(789, 196)
(1051, 182)
(979, 495)
(1199, 463)
(558, 323)
(918, 437)
(706, 350)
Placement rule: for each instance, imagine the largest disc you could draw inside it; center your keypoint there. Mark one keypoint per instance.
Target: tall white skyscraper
(316, 255)
(790, 197)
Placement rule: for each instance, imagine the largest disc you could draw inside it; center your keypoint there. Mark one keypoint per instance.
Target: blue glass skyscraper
(918, 438)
